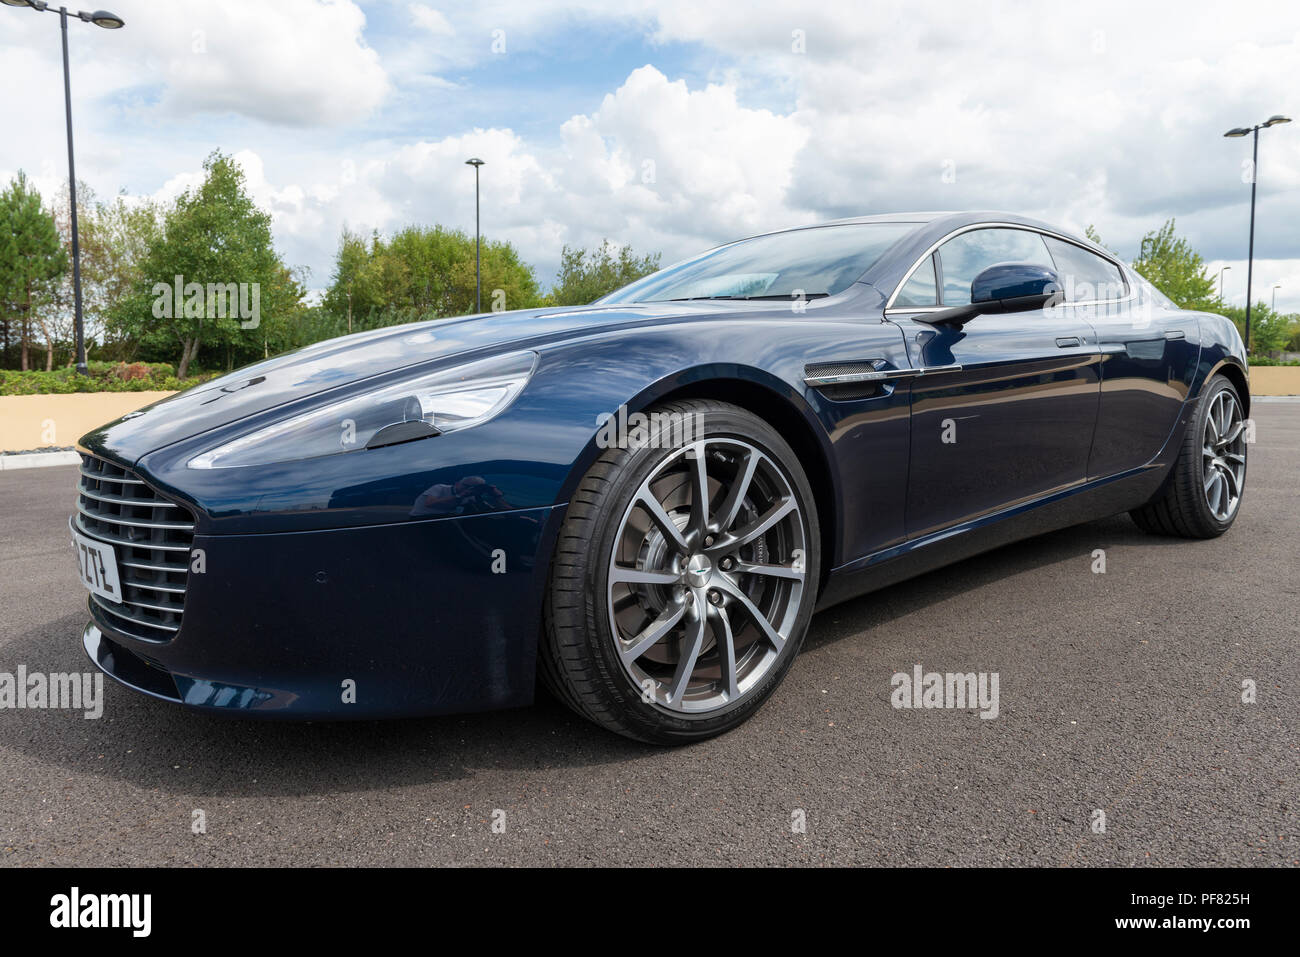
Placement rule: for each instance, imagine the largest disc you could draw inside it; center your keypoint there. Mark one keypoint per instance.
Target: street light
(1276, 287)
(109, 21)
(1273, 120)
(478, 291)
(1222, 270)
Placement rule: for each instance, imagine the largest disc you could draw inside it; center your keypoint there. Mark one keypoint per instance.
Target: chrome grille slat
(117, 507)
(98, 477)
(155, 585)
(169, 609)
(127, 500)
(117, 613)
(146, 566)
(141, 543)
(133, 522)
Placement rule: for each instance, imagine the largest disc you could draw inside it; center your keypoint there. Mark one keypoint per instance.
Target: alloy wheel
(707, 575)
(1223, 455)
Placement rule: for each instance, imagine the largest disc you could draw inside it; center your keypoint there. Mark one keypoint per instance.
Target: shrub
(103, 377)
(1266, 361)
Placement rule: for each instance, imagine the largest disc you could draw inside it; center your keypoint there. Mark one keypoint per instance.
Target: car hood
(347, 359)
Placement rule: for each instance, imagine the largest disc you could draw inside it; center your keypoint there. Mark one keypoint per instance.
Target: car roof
(944, 220)
(950, 218)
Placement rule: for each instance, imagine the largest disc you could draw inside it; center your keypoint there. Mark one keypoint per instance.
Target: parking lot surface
(1119, 692)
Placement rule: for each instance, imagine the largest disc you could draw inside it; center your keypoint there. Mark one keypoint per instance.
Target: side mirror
(1005, 287)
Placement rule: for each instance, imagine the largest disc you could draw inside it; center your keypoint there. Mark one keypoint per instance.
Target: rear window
(1085, 276)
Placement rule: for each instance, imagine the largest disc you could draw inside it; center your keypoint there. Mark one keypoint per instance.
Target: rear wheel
(684, 578)
(1203, 495)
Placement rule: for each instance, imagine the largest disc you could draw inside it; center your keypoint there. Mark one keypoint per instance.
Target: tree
(115, 240)
(214, 247)
(586, 276)
(31, 261)
(1170, 264)
(424, 272)
(1269, 331)
(1092, 234)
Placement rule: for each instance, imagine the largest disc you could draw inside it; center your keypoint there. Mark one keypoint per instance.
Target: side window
(1085, 276)
(921, 289)
(964, 257)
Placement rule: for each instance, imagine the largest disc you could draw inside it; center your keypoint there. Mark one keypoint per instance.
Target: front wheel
(684, 577)
(1203, 495)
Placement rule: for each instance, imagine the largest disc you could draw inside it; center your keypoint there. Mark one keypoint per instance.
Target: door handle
(1067, 342)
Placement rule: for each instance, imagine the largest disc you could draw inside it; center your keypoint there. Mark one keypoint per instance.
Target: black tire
(579, 661)
(1181, 507)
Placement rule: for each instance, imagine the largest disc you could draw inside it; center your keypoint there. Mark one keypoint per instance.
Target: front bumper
(413, 618)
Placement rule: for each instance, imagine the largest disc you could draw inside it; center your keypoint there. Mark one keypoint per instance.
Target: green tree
(423, 272)
(114, 238)
(1269, 331)
(115, 243)
(31, 262)
(1170, 264)
(218, 242)
(1092, 234)
(586, 276)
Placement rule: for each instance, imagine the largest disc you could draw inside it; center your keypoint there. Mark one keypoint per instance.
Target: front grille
(152, 537)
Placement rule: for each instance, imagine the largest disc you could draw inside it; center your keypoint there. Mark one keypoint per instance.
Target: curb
(36, 460)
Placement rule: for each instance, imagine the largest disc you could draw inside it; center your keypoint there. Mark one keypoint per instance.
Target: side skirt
(1083, 503)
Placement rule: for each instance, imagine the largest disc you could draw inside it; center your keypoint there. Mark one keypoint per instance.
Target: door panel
(1149, 355)
(1014, 422)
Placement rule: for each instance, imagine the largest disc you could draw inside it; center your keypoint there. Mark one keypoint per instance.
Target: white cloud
(293, 62)
(431, 21)
(296, 63)
(1109, 115)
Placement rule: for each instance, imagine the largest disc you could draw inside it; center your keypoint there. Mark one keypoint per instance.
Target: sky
(672, 126)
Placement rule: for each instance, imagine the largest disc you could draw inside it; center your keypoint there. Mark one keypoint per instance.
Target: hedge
(103, 377)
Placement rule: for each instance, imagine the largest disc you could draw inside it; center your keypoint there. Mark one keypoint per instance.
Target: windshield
(815, 262)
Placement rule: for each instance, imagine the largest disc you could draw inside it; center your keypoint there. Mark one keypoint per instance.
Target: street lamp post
(478, 283)
(1276, 287)
(1222, 270)
(1273, 120)
(109, 21)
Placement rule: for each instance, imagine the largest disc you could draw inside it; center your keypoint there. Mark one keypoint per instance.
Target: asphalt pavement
(1120, 692)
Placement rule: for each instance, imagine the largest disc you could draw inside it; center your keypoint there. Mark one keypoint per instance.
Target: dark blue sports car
(643, 501)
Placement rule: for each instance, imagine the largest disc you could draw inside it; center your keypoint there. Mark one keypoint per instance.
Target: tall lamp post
(109, 21)
(1254, 176)
(1276, 287)
(478, 284)
(1222, 270)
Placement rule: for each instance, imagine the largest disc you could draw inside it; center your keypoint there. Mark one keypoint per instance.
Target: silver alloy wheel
(1223, 455)
(707, 575)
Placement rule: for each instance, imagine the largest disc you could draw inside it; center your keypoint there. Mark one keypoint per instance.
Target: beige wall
(35, 421)
(1275, 380)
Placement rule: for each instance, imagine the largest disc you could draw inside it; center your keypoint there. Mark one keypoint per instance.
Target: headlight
(439, 402)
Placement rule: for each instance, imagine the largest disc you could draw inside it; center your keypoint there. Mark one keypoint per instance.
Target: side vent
(847, 381)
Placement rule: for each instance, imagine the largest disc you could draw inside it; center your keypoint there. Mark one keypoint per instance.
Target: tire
(1198, 500)
(620, 577)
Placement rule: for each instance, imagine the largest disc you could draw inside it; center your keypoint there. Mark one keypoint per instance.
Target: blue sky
(671, 126)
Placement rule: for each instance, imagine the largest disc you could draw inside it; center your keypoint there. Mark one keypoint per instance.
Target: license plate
(97, 567)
